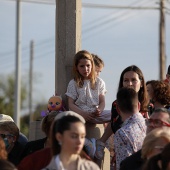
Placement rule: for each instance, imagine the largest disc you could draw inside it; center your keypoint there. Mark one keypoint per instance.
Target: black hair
(127, 99)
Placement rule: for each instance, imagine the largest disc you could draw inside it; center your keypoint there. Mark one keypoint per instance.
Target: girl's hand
(97, 112)
(88, 116)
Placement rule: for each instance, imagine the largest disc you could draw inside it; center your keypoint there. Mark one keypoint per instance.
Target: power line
(47, 2)
(26, 48)
(104, 22)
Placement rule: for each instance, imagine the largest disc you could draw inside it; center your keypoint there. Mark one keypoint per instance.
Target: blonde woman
(155, 142)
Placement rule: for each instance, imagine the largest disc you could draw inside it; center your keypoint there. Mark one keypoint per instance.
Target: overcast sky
(121, 37)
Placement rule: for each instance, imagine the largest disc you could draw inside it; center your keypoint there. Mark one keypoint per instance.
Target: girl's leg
(100, 143)
(103, 118)
(90, 147)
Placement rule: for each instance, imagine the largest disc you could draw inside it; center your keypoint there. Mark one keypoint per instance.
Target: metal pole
(162, 40)
(17, 98)
(30, 79)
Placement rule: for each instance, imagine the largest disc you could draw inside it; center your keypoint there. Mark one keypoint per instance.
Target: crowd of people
(138, 124)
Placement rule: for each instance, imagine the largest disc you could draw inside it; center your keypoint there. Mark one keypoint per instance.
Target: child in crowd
(86, 92)
(99, 64)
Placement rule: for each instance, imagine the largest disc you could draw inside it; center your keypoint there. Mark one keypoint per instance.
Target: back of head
(47, 121)
(151, 139)
(6, 165)
(4, 118)
(127, 100)
(161, 92)
(97, 61)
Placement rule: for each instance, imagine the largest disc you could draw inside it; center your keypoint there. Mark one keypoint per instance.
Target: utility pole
(30, 79)
(17, 99)
(68, 41)
(162, 41)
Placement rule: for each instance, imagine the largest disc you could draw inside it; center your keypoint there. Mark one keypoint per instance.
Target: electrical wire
(102, 24)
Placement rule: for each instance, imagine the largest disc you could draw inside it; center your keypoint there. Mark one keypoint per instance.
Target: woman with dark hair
(131, 77)
(67, 140)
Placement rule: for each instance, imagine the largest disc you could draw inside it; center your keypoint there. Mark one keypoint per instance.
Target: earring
(60, 143)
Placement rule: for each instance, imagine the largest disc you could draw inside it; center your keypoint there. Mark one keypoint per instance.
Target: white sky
(120, 37)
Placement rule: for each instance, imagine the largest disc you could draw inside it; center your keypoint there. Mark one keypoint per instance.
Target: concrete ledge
(35, 131)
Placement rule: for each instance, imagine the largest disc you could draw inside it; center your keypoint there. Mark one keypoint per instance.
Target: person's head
(3, 153)
(83, 68)
(149, 88)
(68, 133)
(161, 92)
(155, 141)
(133, 77)
(10, 133)
(6, 165)
(99, 64)
(127, 101)
(47, 121)
(160, 161)
(159, 118)
(168, 73)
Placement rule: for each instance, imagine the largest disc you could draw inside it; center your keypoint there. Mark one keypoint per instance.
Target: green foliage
(24, 124)
(7, 85)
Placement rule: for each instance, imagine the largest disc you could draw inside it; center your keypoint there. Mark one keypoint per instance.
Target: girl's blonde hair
(77, 76)
(152, 137)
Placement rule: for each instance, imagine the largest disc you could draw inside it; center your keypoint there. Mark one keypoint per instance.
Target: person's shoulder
(90, 164)
(52, 164)
(133, 161)
(99, 79)
(71, 81)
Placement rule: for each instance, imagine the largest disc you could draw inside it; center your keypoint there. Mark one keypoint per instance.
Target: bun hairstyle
(47, 121)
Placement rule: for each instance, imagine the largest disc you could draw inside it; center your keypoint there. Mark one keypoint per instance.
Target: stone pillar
(68, 41)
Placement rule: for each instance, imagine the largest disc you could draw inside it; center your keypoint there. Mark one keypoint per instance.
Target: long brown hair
(77, 76)
(142, 94)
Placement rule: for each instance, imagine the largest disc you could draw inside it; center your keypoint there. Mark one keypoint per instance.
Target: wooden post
(162, 41)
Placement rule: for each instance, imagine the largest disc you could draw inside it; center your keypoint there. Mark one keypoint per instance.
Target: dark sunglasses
(4, 135)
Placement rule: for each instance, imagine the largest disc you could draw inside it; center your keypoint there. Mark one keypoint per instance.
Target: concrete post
(68, 41)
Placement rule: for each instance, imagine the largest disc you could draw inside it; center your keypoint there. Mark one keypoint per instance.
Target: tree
(7, 94)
